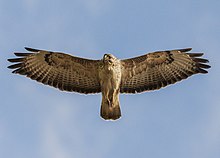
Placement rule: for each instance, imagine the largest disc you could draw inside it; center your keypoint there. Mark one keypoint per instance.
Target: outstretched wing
(159, 69)
(59, 70)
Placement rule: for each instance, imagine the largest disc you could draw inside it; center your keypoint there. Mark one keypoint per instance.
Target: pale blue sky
(182, 120)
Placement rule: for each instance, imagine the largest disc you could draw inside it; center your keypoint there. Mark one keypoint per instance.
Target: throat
(109, 67)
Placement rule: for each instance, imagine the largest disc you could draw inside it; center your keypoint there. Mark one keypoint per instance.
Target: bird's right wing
(59, 70)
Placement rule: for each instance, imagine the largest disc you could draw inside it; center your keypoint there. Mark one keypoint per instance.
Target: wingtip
(185, 49)
(181, 50)
(16, 60)
(31, 49)
(22, 54)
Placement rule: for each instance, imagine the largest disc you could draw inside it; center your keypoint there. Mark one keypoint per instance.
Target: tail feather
(110, 112)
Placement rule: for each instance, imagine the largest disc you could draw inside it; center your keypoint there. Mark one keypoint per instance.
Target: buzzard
(109, 75)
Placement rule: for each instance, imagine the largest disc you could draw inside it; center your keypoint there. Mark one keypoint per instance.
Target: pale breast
(110, 75)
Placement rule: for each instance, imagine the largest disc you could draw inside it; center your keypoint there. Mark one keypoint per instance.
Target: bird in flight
(109, 76)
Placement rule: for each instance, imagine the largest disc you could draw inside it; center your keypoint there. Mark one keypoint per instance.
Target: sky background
(182, 120)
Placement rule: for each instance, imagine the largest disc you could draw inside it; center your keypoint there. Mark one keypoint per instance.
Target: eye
(106, 56)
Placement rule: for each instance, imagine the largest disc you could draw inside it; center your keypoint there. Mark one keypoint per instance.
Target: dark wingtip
(31, 49)
(203, 66)
(16, 60)
(185, 49)
(10, 60)
(15, 66)
(201, 60)
(200, 63)
(9, 67)
(181, 50)
(22, 54)
(200, 70)
(195, 54)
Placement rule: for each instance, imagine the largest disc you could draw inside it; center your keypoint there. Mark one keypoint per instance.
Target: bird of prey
(109, 76)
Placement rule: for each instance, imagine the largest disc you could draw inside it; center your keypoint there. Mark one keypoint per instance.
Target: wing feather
(159, 69)
(59, 70)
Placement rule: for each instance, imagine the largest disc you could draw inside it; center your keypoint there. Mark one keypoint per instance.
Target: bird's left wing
(159, 69)
(59, 70)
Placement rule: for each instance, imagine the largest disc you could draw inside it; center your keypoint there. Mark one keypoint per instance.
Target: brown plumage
(109, 75)
(159, 69)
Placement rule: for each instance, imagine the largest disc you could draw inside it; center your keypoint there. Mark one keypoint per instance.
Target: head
(109, 59)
